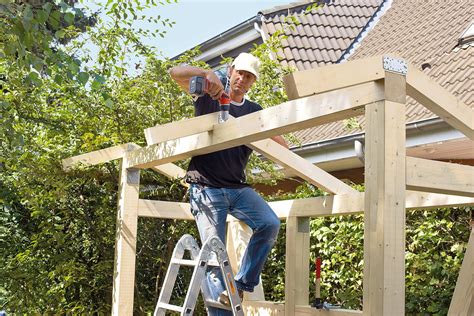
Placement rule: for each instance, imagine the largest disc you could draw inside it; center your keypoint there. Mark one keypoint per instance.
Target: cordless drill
(198, 87)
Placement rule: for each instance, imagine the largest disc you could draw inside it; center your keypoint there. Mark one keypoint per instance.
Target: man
(217, 180)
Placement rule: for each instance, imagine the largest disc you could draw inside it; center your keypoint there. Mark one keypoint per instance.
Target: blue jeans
(210, 207)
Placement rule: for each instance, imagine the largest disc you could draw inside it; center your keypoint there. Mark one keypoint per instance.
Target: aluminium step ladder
(200, 260)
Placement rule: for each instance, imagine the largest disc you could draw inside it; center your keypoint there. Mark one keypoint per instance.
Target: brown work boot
(224, 298)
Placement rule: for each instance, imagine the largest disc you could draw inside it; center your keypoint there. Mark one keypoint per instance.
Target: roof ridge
(292, 7)
(383, 7)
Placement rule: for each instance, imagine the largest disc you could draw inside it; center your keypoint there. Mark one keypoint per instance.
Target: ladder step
(184, 262)
(212, 303)
(170, 307)
(192, 263)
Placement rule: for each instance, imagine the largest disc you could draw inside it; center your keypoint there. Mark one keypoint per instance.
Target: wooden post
(126, 240)
(462, 302)
(238, 237)
(384, 215)
(296, 263)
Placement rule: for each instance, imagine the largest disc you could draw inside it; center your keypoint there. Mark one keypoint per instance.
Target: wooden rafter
(302, 167)
(434, 97)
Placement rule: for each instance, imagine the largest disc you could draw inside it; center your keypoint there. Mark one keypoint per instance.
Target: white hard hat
(247, 62)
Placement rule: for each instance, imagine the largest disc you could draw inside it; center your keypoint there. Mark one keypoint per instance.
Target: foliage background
(57, 229)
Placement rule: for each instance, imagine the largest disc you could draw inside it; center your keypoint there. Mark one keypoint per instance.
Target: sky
(200, 20)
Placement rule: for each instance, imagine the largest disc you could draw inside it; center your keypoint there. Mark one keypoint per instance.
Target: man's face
(241, 81)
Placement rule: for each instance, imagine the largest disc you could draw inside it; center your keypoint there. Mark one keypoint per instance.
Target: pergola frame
(376, 86)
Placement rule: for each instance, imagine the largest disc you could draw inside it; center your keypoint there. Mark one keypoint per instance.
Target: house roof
(322, 35)
(423, 32)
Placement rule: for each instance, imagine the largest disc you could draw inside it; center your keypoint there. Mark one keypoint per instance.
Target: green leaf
(54, 18)
(69, 18)
(109, 103)
(58, 79)
(83, 77)
(60, 34)
(100, 79)
(42, 16)
(95, 85)
(73, 67)
(47, 7)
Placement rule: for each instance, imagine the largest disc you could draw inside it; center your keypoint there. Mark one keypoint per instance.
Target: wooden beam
(384, 215)
(164, 209)
(318, 80)
(331, 205)
(263, 308)
(178, 129)
(286, 117)
(440, 177)
(169, 170)
(302, 167)
(296, 263)
(441, 102)
(320, 206)
(126, 241)
(311, 311)
(462, 302)
(260, 308)
(238, 237)
(98, 156)
(421, 200)
(268, 148)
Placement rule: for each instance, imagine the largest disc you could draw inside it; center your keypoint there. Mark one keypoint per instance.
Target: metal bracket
(395, 65)
(133, 176)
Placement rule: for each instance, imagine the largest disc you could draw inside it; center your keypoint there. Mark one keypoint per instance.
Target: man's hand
(215, 89)
(182, 75)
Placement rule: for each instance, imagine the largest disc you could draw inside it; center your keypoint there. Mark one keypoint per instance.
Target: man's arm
(280, 140)
(182, 75)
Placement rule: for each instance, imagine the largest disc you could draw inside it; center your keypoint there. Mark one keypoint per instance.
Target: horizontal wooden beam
(331, 205)
(441, 102)
(320, 206)
(98, 156)
(304, 83)
(286, 117)
(301, 167)
(440, 177)
(169, 170)
(308, 310)
(278, 309)
(164, 209)
(263, 308)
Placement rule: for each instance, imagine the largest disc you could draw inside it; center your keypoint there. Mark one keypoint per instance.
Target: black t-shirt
(224, 168)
